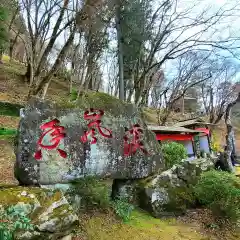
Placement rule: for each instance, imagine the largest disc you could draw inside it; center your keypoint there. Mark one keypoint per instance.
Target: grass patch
(14, 70)
(7, 132)
(10, 109)
(98, 100)
(9, 122)
(141, 226)
(8, 138)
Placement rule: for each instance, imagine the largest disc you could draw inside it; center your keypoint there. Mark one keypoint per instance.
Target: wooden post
(183, 105)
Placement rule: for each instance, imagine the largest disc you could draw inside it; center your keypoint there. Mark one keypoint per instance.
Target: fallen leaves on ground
(9, 122)
(204, 219)
(7, 159)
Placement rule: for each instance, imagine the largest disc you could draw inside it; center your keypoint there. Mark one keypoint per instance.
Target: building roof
(171, 129)
(191, 122)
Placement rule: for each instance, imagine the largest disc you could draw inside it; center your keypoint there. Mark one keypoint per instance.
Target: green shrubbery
(73, 95)
(173, 153)
(11, 220)
(10, 109)
(220, 191)
(123, 209)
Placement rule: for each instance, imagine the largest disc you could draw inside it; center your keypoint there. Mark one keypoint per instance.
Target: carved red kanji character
(56, 133)
(95, 115)
(131, 146)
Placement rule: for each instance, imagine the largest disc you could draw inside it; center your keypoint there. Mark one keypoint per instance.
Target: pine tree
(135, 33)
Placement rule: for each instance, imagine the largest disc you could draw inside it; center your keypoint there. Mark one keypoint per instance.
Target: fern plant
(123, 209)
(11, 220)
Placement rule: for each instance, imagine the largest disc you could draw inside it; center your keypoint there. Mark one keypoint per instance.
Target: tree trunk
(10, 53)
(163, 116)
(90, 68)
(139, 89)
(31, 92)
(137, 95)
(116, 89)
(229, 150)
(211, 119)
(44, 90)
(27, 76)
(80, 89)
(120, 51)
(131, 91)
(144, 98)
(53, 37)
(39, 83)
(12, 44)
(98, 85)
(71, 84)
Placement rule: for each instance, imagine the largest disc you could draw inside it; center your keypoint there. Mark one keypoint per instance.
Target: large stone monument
(59, 144)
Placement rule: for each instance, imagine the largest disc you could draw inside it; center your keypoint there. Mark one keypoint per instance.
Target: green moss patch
(141, 226)
(98, 100)
(40, 200)
(10, 196)
(7, 132)
(10, 109)
(180, 199)
(94, 193)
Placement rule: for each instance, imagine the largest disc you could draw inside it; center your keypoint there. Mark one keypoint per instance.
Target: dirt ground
(7, 156)
(7, 159)
(204, 220)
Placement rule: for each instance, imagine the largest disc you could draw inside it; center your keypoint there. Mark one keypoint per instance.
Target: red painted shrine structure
(194, 134)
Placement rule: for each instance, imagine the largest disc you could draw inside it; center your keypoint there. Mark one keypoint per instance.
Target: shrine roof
(191, 122)
(171, 129)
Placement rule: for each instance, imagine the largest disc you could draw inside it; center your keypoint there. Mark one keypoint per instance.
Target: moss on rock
(49, 211)
(171, 192)
(90, 192)
(180, 199)
(98, 100)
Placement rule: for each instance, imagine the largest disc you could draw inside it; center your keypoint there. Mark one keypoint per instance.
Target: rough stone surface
(105, 158)
(235, 119)
(48, 210)
(170, 192)
(126, 190)
(74, 199)
(77, 193)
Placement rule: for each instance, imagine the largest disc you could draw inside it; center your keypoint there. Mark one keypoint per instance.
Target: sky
(231, 25)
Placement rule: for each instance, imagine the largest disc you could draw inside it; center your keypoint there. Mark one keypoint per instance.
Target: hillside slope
(14, 90)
